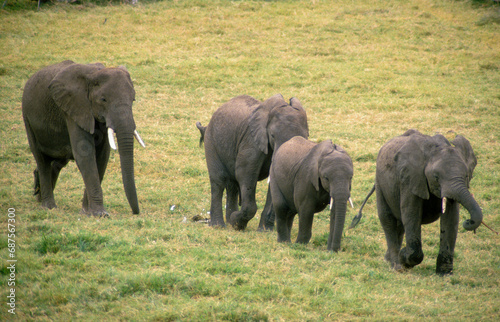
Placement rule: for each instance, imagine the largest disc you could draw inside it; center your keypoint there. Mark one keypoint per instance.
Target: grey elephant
(239, 143)
(420, 179)
(305, 177)
(71, 112)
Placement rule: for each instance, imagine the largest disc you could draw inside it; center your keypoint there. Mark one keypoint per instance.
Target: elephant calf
(416, 175)
(67, 109)
(305, 177)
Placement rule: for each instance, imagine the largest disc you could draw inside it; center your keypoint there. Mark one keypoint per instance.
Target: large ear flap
(257, 122)
(69, 89)
(313, 159)
(463, 145)
(410, 165)
(295, 103)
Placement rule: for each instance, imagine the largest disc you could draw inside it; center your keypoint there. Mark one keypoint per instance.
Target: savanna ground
(366, 71)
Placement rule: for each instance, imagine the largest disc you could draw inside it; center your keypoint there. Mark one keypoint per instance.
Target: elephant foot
(410, 257)
(49, 204)
(444, 265)
(237, 221)
(240, 225)
(398, 268)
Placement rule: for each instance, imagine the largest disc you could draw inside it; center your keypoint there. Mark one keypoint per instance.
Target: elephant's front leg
(83, 147)
(240, 219)
(448, 237)
(102, 157)
(411, 216)
(232, 191)
(306, 216)
(247, 172)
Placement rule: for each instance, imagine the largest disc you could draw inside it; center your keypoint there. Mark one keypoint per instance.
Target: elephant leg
(216, 192)
(411, 216)
(393, 231)
(83, 147)
(102, 158)
(57, 166)
(448, 237)
(284, 222)
(268, 216)
(306, 217)
(45, 186)
(240, 219)
(232, 191)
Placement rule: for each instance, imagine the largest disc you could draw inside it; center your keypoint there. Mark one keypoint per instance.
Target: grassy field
(365, 71)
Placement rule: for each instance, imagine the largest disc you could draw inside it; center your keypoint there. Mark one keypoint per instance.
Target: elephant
(239, 143)
(418, 180)
(305, 177)
(67, 109)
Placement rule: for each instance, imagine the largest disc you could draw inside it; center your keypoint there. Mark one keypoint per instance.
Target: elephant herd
(72, 112)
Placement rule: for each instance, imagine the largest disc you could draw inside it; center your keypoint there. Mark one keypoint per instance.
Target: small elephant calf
(305, 177)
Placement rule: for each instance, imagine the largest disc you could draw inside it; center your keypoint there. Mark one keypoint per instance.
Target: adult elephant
(416, 175)
(67, 110)
(239, 143)
(305, 177)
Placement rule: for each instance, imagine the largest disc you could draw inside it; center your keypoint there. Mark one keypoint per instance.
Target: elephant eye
(436, 177)
(103, 100)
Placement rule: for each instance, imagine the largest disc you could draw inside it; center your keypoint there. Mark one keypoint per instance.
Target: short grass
(366, 71)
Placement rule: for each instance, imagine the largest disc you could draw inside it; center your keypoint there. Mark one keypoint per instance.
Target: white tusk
(444, 205)
(111, 138)
(331, 202)
(350, 201)
(138, 137)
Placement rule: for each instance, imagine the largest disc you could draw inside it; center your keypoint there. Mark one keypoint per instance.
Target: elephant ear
(295, 103)
(313, 159)
(463, 145)
(410, 165)
(258, 120)
(69, 90)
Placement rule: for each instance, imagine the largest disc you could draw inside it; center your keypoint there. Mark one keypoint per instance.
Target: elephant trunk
(126, 150)
(465, 198)
(337, 220)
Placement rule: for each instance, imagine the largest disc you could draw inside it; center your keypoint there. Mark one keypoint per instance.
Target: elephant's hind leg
(393, 231)
(46, 186)
(43, 189)
(216, 192)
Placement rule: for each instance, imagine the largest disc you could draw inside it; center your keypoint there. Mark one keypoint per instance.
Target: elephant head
(92, 93)
(435, 166)
(332, 169)
(275, 121)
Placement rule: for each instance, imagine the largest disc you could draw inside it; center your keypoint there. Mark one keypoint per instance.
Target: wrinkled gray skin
(304, 177)
(414, 173)
(239, 144)
(67, 109)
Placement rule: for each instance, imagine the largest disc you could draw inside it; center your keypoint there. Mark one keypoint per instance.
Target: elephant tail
(202, 132)
(357, 218)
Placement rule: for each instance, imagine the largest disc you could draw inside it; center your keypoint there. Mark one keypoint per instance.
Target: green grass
(365, 72)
